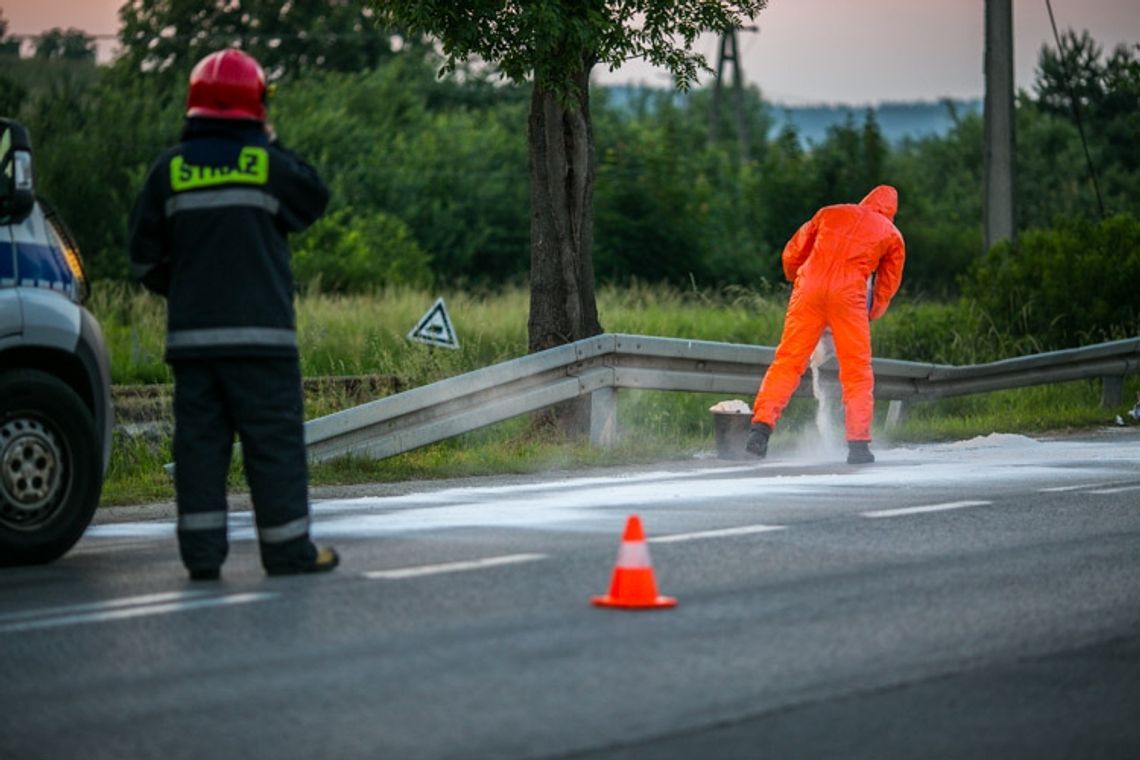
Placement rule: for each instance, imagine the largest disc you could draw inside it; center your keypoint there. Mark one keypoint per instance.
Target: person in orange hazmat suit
(829, 260)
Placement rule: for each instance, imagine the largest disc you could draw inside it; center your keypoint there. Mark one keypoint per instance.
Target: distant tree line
(54, 44)
(430, 173)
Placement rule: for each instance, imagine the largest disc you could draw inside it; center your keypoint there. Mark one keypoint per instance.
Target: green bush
(348, 252)
(957, 332)
(1074, 284)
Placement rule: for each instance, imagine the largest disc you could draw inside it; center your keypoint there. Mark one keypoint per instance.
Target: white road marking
(1122, 489)
(743, 530)
(451, 567)
(110, 604)
(922, 510)
(109, 612)
(1081, 487)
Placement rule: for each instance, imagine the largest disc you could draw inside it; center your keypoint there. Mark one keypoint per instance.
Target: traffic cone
(633, 585)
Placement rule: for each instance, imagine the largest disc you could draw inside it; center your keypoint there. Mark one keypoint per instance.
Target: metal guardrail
(601, 365)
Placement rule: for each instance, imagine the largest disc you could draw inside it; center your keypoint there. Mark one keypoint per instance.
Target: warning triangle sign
(434, 327)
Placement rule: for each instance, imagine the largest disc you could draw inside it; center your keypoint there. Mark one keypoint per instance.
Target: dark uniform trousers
(259, 399)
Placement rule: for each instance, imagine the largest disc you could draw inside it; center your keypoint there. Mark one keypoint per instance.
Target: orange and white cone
(633, 585)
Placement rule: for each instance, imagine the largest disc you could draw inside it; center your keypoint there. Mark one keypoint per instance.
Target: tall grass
(365, 335)
(338, 335)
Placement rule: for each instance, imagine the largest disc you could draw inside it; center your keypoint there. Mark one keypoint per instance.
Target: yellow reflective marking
(252, 169)
(5, 145)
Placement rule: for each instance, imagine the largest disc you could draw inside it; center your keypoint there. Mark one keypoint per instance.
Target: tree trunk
(563, 307)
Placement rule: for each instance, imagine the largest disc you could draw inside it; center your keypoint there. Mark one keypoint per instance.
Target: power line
(261, 35)
(1076, 108)
(38, 35)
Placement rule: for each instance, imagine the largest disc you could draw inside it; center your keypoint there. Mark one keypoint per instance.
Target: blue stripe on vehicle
(7, 260)
(40, 265)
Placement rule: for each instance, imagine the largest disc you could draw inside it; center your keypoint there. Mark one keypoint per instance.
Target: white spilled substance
(829, 406)
(578, 503)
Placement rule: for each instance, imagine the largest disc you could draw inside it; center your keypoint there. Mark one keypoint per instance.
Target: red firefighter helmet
(228, 84)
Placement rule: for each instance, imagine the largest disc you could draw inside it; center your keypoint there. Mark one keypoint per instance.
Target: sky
(806, 51)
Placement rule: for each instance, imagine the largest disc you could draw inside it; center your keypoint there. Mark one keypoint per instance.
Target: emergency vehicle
(55, 383)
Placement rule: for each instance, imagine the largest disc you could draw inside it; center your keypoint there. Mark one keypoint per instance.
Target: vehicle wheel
(50, 474)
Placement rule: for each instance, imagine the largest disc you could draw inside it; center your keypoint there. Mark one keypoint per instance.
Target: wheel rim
(32, 473)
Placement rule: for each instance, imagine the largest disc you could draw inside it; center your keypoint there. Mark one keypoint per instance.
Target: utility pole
(729, 53)
(998, 217)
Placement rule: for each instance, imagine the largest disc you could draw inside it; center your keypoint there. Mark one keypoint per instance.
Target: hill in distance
(897, 120)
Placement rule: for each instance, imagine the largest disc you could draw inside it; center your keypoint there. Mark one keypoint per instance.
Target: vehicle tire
(50, 467)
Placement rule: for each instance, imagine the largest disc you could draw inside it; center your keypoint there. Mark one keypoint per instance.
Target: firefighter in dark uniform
(208, 232)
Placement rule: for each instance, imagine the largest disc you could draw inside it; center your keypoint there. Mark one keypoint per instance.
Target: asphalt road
(978, 599)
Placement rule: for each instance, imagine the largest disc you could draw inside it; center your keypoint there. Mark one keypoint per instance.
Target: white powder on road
(988, 459)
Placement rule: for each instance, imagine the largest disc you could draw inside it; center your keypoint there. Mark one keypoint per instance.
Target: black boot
(859, 452)
(326, 559)
(758, 440)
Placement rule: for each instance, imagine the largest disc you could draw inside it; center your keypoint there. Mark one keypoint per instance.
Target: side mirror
(17, 190)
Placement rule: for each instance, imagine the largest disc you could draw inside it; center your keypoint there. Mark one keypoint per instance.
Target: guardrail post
(1112, 391)
(603, 417)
